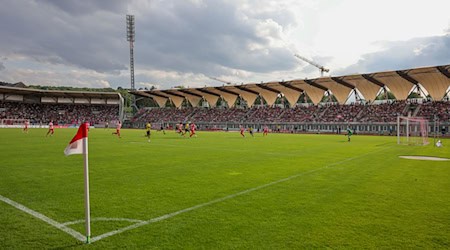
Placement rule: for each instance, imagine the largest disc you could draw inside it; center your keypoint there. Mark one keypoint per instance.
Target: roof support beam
(208, 92)
(312, 83)
(287, 85)
(268, 88)
(404, 74)
(156, 94)
(373, 80)
(139, 93)
(227, 91)
(171, 93)
(246, 90)
(443, 71)
(190, 93)
(342, 82)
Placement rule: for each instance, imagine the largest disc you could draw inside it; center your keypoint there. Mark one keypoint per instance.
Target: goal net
(412, 130)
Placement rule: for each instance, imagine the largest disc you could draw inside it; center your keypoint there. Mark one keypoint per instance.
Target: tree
(382, 96)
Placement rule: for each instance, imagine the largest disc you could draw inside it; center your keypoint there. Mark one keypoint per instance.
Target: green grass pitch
(281, 192)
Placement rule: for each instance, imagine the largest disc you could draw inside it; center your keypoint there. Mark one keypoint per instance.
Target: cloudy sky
(182, 42)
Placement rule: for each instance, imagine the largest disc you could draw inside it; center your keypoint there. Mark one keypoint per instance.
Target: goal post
(412, 130)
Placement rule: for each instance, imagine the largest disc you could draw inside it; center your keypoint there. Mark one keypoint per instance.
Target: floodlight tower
(130, 38)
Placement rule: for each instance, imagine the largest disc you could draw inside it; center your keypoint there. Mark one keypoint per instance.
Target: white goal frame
(412, 130)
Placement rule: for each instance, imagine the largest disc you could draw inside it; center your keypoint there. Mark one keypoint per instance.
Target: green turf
(341, 195)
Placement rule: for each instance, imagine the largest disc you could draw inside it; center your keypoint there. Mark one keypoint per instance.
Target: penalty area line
(170, 215)
(44, 218)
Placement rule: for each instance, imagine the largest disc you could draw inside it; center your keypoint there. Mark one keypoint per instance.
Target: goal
(412, 130)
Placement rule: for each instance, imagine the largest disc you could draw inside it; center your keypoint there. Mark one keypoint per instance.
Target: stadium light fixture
(131, 38)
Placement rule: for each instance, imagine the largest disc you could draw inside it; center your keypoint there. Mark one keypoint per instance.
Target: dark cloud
(190, 38)
(76, 7)
(212, 37)
(46, 34)
(418, 52)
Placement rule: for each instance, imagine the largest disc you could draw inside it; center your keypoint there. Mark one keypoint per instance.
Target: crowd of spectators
(42, 113)
(384, 112)
(438, 108)
(299, 114)
(163, 115)
(341, 113)
(219, 115)
(264, 114)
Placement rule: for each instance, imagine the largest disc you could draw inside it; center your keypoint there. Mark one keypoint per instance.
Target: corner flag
(79, 145)
(76, 144)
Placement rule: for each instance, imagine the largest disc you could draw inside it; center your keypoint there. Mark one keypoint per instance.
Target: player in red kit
(119, 126)
(25, 128)
(51, 130)
(180, 128)
(193, 128)
(266, 131)
(242, 131)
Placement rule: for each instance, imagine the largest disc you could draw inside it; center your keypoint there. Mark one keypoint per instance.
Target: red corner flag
(76, 144)
(79, 145)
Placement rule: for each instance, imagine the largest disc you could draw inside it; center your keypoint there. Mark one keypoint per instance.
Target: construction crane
(321, 68)
(217, 79)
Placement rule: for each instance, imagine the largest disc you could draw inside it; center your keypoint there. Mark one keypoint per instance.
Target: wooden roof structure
(435, 79)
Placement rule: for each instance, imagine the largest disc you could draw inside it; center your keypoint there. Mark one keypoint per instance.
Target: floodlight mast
(320, 67)
(130, 38)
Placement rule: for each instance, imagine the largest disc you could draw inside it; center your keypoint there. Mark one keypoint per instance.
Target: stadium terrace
(309, 105)
(369, 103)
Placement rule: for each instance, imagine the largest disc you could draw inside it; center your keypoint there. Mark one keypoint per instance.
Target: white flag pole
(86, 190)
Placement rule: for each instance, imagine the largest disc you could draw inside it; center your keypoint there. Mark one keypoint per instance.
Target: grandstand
(282, 104)
(65, 108)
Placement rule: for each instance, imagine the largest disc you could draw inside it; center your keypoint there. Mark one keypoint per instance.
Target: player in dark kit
(148, 127)
(250, 130)
(349, 133)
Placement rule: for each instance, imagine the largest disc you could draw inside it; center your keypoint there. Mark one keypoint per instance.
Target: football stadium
(351, 161)
(304, 184)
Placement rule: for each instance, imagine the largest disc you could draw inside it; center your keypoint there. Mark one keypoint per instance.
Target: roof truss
(443, 71)
(227, 91)
(312, 83)
(404, 74)
(190, 93)
(342, 82)
(172, 93)
(287, 85)
(246, 89)
(268, 88)
(373, 80)
(208, 92)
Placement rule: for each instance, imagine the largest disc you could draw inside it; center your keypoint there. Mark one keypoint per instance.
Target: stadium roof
(57, 93)
(435, 80)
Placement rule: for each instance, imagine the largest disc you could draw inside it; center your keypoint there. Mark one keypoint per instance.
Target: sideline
(44, 218)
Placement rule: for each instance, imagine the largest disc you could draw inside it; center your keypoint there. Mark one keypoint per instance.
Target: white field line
(101, 219)
(44, 218)
(167, 216)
